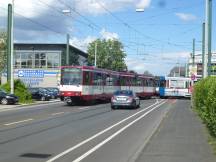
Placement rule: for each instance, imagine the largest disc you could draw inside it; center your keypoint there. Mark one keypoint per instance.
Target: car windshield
(124, 93)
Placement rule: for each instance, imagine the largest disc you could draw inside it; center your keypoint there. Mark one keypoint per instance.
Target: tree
(110, 54)
(147, 73)
(175, 71)
(3, 45)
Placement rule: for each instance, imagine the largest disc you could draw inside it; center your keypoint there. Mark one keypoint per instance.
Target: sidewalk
(181, 137)
(4, 107)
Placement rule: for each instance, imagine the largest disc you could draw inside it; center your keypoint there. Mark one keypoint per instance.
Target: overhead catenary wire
(134, 29)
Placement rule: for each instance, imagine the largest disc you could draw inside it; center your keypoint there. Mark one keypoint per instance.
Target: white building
(197, 68)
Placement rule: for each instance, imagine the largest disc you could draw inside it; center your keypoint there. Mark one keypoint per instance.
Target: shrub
(20, 90)
(205, 102)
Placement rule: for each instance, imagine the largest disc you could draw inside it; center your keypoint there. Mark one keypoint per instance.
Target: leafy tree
(3, 40)
(110, 54)
(147, 73)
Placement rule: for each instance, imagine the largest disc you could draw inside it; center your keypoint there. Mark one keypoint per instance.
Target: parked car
(124, 98)
(40, 94)
(6, 98)
(54, 92)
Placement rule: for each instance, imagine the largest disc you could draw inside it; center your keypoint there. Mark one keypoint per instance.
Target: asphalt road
(56, 132)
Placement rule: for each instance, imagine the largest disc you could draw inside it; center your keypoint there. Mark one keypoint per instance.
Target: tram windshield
(71, 76)
(177, 84)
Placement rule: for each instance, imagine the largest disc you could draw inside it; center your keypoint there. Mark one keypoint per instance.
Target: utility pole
(193, 54)
(10, 50)
(95, 61)
(208, 23)
(67, 50)
(209, 37)
(203, 48)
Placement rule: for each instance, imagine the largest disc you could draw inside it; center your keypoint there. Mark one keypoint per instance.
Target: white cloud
(96, 7)
(27, 8)
(108, 35)
(82, 43)
(186, 17)
(175, 55)
(159, 64)
(143, 4)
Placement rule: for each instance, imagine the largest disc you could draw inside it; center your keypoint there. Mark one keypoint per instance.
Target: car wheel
(113, 107)
(43, 98)
(4, 101)
(138, 105)
(69, 103)
(134, 105)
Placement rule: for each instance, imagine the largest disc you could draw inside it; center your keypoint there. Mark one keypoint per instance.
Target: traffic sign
(193, 77)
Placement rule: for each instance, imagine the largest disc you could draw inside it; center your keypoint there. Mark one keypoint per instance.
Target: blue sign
(31, 73)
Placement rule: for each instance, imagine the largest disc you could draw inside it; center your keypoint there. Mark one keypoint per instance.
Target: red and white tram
(87, 83)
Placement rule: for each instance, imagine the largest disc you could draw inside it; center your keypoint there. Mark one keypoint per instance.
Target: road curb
(154, 130)
(14, 107)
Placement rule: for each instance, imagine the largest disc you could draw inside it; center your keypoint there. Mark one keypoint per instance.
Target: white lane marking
(84, 108)
(21, 121)
(114, 135)
(28, 107)
(57, 113)
(96, 135)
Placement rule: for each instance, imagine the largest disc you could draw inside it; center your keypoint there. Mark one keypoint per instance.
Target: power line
(129, 26)
(60, 11)
(91, 23)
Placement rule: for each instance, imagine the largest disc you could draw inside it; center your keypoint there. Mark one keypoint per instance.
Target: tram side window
(139, 82)
(122, 81)
(87, 78)
(109, 80)
(97, 79)
(149, 82)
(145, 83)
(115, 80)
(162, 83)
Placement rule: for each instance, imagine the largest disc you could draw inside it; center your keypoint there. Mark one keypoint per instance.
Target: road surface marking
(114, 135)
(58, 113)
(27, 107)
(98, 134)
(84, 108)
(21, 121)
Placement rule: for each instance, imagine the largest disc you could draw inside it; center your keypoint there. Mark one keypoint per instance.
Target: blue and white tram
(175, 87)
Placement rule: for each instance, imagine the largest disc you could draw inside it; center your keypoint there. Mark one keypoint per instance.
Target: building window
(35, 59)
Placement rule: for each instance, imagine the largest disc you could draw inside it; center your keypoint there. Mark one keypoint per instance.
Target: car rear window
(126, 93)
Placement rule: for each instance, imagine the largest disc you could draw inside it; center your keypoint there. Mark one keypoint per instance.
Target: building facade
(196, 68)
(38, 65)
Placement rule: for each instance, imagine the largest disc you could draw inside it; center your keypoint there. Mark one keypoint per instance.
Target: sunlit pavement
(180, 138)
(11, 106)
(158, 131)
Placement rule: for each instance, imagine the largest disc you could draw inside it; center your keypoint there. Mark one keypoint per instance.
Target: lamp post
(10, 48)
(66, 12)
(95, 60)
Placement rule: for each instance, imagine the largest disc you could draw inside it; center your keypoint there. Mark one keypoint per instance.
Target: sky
(155, 40)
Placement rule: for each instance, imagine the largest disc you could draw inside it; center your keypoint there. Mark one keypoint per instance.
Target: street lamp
(10, 48)
(139, 9)
(66, 12)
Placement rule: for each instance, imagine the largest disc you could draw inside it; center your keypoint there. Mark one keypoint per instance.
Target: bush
(20, 90)
(204, 98)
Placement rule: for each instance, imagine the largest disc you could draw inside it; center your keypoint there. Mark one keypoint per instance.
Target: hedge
(20, 90)
(204, 100)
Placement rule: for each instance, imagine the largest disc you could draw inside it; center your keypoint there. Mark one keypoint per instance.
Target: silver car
(125, 98)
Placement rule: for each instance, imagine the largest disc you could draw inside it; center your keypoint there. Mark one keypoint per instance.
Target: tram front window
(71, 76)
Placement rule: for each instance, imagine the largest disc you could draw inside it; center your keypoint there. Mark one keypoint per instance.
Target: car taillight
(130, 99)
(113, 98)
